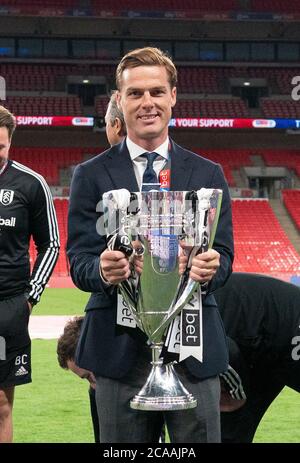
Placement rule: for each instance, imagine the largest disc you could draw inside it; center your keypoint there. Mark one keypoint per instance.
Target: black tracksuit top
(26, 210)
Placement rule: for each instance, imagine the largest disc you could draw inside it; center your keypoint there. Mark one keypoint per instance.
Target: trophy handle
(215, 221)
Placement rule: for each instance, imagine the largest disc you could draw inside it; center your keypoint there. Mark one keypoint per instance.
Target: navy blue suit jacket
(105, 348)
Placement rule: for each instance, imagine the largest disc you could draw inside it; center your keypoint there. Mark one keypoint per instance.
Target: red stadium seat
(261, 245)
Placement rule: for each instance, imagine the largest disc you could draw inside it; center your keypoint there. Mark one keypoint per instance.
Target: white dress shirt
(140, 163)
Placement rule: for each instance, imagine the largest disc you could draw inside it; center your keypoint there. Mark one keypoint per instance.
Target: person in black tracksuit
(261, 316)
(26, 210)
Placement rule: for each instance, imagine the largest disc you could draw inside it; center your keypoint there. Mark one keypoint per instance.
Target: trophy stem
(163, 389)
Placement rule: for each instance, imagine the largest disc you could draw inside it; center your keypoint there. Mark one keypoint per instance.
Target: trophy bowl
(152, 225)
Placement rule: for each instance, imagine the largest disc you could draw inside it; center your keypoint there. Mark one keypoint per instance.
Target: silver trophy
(152, 225)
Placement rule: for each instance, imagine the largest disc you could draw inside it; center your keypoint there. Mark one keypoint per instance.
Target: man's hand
(138, 263)
(92, 380)
(29, 307)
(204, 266)
(114, 266)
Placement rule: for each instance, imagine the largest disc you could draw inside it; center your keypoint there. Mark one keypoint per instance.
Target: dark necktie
(150, 180)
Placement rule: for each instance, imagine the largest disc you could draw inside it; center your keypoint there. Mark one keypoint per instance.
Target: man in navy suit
(118, 356)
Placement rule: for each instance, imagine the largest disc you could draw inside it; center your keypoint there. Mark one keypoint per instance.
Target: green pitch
(281, 422)
(55, 406)
(61, 301)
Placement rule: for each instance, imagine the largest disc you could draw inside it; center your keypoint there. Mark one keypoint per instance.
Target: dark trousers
(121, 424)
(94, 414)
(240, 426)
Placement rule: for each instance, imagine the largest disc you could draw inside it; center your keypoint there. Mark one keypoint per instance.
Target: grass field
(55, 406)
(281, 422)
(61, 301)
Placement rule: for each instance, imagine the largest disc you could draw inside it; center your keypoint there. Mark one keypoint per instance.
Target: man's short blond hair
(8, 120)
(147, 56)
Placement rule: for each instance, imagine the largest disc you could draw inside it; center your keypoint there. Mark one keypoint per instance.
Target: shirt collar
(136, 150)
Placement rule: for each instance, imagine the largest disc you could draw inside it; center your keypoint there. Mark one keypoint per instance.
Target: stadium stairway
(257, 160)
(239, 182)
(296, 181)
(286, 222)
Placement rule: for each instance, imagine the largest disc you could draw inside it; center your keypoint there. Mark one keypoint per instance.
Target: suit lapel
(120, 168)
(181, 170)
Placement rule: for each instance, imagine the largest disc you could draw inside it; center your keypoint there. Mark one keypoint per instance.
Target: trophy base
(163, 390)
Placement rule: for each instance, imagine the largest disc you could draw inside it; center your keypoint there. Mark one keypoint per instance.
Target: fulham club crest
(6, 197)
